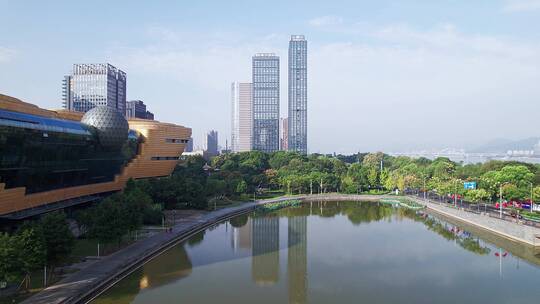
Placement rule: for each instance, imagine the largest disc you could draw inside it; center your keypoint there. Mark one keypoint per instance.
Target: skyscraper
(92, 85)
(189, 145)
(241, 116)
(137, 109)
(284, 137)
(211, 143)
(298, 94)
(265, 74)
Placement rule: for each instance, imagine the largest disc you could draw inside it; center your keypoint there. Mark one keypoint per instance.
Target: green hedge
(278, 205)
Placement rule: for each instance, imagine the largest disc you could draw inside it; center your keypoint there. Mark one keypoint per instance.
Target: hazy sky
(382, 75)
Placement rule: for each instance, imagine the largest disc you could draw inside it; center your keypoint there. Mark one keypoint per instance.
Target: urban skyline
(258, 108)
(371, 151)
(406, 57)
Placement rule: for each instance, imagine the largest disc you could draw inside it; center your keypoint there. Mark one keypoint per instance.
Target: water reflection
(356, 251)
(265, 260)
(174, 264)
(241, 238)
(297, 259)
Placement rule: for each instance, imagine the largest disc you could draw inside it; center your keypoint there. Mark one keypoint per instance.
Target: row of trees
(49, 241)
(294, 173)
(119, 215)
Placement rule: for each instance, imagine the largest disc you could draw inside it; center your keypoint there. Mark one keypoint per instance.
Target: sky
(391, 76)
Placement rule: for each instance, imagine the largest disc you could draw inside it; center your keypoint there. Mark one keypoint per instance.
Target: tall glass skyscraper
(92, 85)
(241, 116)
(265, 102)
(298, 94)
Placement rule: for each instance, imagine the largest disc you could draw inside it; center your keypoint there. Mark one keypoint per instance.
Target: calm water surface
(346, 252)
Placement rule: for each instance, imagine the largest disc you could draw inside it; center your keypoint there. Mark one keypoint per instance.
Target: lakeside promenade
(85, 284)
(514, 230)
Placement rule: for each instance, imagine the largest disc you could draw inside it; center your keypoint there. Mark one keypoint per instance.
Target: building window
(177, 141)
(165, 157)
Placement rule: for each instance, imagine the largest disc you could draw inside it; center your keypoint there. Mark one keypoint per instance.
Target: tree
(107, 221)
(512, 192)
(31, 249)
(10, 270)
(280, 159)
(373, 178)
(477, 195)
(59, 240)
(241, 187)
(239, 221)
(536, 194)
(518, 175)
(215, 186)
(348, 185)
(272, 178)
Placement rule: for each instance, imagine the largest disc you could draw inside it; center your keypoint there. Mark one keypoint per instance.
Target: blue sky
(383, 75)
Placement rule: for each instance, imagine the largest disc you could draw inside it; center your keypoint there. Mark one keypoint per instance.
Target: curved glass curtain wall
(45, 154)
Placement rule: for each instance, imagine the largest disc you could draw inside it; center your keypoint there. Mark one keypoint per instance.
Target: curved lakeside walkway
(89, 282)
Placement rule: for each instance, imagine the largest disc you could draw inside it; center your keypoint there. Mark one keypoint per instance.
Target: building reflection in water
(241, 237)
(265, 249)
(265, 253)
(297, 259)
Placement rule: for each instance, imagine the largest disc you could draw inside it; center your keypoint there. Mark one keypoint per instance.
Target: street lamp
(532, 200)
(455, 194)
(500, 199)
(424, 188)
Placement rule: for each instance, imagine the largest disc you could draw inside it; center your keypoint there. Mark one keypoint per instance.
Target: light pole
(424, 188)
(500, 200)
(532, 200)
(455, 194)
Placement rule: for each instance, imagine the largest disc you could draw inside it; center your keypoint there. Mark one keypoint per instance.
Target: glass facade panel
(93, 85)
(44, 154)
(265, 92)
(297, 135)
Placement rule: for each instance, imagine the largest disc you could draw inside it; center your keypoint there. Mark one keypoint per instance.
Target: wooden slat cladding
(142, 166)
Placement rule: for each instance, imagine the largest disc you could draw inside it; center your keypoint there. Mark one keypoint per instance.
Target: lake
(336, 252)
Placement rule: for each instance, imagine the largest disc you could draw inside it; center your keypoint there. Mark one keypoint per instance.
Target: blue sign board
(469, 185)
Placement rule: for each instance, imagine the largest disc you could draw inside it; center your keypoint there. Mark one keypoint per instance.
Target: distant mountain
(502, 145)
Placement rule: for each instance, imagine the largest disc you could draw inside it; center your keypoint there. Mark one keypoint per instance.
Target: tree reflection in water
(172, 265)
(257, 237)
